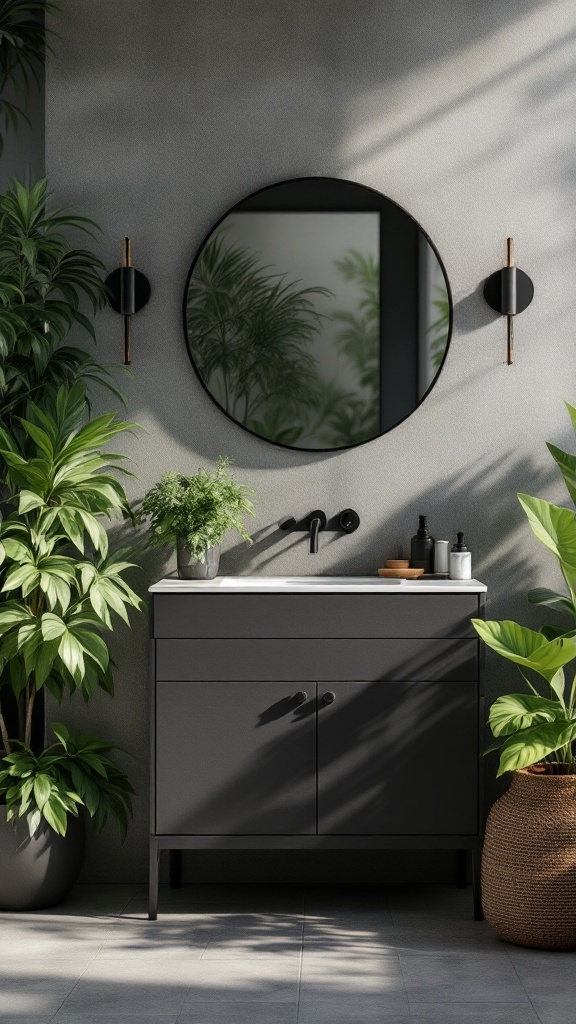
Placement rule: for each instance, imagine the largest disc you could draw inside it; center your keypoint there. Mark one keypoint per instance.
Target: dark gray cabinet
(327, 721)
(398, 758)
(234, 759)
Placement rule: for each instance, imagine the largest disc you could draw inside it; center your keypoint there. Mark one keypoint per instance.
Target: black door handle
(329, 697)
(300, 698)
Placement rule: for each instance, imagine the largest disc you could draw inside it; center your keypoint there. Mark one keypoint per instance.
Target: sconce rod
(510, 303)
(127, 297)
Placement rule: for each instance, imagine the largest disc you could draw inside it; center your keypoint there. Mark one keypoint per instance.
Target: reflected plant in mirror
(317, 314)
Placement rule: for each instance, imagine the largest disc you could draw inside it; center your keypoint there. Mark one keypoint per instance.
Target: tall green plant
(60, 584)
(44, 281)
(22, 53)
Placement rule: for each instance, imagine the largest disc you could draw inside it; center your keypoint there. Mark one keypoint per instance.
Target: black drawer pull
(329, 697)
(300, 698)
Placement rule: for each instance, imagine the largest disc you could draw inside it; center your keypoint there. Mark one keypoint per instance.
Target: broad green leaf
(17, 551)
(72, 654)
(567, 465)
(42, 789)
(61, 732)
(550, 599)
(525, 647)
(29, 501)
(94, 646)
(56, 816)
(53, 627)
(39, 436)
(534, 744)
(518, 711)
(554, 526)
(558, 683)
(24, 577)
(44, 661)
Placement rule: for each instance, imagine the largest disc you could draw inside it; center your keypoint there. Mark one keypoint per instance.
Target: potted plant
(195, 513)
(60, 587)
(529, 858)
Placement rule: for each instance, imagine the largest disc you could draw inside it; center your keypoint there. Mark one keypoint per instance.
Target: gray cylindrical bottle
(422, 547)
(441, 557)
(460, 560)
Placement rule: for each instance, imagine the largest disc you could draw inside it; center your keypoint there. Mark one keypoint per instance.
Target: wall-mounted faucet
(316, 522)
(348, 520)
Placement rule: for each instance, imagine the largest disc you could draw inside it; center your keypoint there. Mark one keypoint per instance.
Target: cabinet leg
(153, 879)
(175, 869)
(476, 887)
(461, 865)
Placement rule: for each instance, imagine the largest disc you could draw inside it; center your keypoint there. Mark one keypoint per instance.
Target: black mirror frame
(380, 195)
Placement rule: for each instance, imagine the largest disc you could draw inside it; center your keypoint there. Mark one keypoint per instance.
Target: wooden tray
(401, 574)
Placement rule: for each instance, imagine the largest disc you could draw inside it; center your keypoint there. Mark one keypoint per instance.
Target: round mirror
(317, 314)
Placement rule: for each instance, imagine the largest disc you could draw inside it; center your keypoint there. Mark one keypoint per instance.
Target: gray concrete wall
(159, 116)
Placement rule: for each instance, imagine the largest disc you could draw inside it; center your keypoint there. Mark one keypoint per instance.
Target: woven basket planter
(529, 861)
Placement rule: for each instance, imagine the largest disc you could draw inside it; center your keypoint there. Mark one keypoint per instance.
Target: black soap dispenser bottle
(422, 547)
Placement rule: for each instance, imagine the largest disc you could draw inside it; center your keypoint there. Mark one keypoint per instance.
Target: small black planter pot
(38, 873)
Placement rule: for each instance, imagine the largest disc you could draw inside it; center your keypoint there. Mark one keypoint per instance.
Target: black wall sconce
(509, 291)
(128, 291)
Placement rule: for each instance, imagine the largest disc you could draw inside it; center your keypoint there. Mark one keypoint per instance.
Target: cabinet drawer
(321, 660)
(314, 615)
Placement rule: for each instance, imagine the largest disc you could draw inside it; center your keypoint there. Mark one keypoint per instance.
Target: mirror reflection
(317, 314)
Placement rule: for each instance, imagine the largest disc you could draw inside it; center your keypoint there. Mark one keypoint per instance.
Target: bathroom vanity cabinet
(308, 716)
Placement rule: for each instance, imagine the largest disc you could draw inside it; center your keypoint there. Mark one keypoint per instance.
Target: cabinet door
(398, 758)
(235, 758)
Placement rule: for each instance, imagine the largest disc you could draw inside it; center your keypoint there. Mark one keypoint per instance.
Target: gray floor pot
(39, 872)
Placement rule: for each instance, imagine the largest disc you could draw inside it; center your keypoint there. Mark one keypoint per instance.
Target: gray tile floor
(274, 955)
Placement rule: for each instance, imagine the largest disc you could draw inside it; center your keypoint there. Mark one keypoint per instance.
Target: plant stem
(4, 734)
(30, 697)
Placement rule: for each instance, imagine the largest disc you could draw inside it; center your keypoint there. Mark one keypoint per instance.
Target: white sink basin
(313, 584)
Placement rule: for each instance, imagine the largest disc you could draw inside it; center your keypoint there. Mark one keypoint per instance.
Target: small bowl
(397, 563)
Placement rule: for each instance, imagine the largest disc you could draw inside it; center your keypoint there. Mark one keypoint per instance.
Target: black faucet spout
(314, 531)
(316, 522)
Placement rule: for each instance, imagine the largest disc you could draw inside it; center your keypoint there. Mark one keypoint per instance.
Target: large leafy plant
(536, 726)
(199, 509)
(72, 773)
(44, 281)
(61, 586)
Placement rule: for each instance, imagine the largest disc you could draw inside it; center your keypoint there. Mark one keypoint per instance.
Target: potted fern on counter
(194, 513)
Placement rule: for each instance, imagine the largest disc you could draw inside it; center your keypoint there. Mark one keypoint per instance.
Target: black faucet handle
(349, 520)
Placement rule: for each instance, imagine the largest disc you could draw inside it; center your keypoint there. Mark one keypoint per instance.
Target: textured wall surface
(159, 116)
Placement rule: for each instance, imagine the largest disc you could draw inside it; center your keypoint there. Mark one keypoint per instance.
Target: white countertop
(315, 585)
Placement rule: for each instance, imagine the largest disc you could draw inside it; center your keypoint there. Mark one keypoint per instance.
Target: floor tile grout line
(405, 987)
(523, 986)
(303, 910)
(71, 990)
